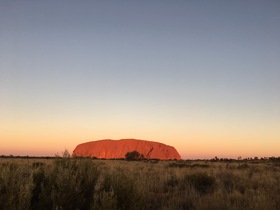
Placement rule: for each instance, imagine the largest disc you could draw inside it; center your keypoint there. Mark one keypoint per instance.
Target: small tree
(134, 155)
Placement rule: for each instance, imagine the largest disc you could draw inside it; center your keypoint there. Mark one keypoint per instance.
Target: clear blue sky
(203, 76)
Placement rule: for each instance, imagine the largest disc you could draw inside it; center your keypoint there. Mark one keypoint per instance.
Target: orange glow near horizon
(197, 143)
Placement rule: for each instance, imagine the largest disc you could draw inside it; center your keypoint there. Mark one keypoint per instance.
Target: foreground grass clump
(69, 184)
(201, 182)
(16, 186)
(65, 183)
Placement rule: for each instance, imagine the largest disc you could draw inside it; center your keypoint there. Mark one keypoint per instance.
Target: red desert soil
(109, 149)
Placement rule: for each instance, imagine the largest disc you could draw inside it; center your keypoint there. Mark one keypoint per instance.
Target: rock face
(109, 149)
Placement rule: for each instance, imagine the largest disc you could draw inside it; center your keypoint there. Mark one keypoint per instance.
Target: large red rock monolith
(110, 149)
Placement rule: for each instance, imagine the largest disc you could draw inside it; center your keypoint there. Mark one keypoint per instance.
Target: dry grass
(118, 184)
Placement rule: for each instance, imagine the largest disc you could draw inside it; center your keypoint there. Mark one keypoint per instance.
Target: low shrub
(201, 182)
(73, 184)
(134, 155)
(122, 185)
(15, 186)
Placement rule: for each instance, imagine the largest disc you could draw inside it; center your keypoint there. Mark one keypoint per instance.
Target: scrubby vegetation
(134, 155)
(68, 183)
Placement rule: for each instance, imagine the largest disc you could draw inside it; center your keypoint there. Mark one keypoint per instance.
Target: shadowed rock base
(110, 149)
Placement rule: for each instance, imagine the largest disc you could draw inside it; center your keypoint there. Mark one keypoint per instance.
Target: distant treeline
(28, 157)
(216, 159)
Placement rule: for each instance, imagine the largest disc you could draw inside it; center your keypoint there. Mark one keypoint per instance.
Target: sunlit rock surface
(110, 149)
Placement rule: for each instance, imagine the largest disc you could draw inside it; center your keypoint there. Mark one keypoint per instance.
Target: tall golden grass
(65, 183)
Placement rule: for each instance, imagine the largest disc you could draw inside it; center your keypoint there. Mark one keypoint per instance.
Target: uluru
(114, 149)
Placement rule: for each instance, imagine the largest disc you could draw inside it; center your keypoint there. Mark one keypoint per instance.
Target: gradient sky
(203, 76)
